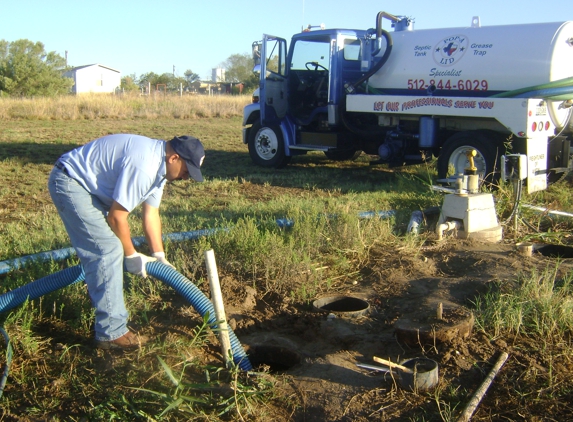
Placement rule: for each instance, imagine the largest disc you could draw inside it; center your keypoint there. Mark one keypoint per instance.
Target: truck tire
(345, 155)
(489, 147)
(266, 146)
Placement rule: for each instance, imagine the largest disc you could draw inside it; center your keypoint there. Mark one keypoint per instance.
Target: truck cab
(301, 95)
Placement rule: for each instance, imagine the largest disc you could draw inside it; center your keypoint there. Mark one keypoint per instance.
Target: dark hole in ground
(420, 365)
(278, 359)
(555, 251)
(345, 304)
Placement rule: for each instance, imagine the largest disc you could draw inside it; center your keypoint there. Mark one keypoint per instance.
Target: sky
(172, 36)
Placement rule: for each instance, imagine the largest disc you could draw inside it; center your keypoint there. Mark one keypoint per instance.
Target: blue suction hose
(200, 303)
(40, 287)
(33, 290)
(162, 272)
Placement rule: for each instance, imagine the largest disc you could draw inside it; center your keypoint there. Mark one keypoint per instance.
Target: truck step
(309, 147)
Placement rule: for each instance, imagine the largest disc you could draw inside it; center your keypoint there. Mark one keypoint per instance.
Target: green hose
(559, 90)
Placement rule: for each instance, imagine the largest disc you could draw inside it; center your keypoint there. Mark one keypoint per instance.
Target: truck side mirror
(256, 57)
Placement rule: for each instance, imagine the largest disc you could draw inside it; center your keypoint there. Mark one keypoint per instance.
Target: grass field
(56, 374)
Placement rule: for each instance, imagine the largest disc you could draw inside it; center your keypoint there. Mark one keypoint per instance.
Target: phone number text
(461, 85)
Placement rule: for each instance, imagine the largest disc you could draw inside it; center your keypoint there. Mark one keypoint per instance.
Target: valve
(471, 168)
(471, 172)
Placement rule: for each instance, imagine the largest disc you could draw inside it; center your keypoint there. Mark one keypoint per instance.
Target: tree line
(26, 69)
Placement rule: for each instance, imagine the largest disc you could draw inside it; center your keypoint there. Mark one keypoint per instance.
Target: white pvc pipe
(562, 213)
(447, 226)
(480, 392)
(217, 299)
(415, 221)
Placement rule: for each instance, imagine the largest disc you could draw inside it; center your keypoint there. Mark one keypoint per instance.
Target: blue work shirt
(128, 169)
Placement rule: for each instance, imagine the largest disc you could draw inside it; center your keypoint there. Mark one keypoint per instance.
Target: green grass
(536, 305)
(56, 375)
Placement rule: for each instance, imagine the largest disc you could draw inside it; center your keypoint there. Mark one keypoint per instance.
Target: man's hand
(160, 256)
(135, 264)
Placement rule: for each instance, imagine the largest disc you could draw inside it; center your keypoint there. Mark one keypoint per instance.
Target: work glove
(160, 256)
(135, 264)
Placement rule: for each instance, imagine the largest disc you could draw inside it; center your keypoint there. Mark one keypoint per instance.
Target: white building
(217, 75)
(94, 78)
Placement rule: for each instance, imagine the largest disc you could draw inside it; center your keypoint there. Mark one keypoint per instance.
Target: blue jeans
(99, 249)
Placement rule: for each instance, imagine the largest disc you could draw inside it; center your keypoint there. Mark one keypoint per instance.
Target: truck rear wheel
(266, 146)
(488, 145)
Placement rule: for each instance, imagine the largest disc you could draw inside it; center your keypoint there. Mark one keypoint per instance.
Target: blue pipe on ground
(16, 263)
(9, 352)
(288, 223)
(162, 272)
(61, 254)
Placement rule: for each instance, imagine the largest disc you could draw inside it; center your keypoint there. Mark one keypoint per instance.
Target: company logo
(450, 50)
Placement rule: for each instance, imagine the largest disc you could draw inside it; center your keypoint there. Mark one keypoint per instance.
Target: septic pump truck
(504, 91)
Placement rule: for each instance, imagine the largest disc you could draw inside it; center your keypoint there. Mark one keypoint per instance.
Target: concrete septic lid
(457, 323)
(344, 306)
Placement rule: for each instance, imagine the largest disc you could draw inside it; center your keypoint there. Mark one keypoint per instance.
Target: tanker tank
(481, 61)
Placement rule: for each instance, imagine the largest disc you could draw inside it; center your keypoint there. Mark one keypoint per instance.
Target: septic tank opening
(342, 305)
(554, 251)
(277, 359)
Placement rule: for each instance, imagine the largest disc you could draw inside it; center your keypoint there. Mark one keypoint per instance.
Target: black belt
(60, 166)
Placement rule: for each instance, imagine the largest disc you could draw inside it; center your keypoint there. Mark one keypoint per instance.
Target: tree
(154, 80)
(128, 83)
(26, 69)
(151, 78)
(191, 77)
(239, 68)
(170, 81)
(176, 83)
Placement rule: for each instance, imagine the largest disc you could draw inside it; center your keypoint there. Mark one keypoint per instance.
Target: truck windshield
(311, 52)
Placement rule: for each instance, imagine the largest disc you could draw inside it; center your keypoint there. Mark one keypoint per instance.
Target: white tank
(506, 57)
(477, 61)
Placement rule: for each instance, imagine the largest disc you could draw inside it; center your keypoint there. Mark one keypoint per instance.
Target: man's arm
(152, 228)
(135, 262)
(117, 220)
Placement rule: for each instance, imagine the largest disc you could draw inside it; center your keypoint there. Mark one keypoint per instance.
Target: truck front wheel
(453, 159)
(266, 146)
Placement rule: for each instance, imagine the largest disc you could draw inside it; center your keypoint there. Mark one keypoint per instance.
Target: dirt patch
(321, 350)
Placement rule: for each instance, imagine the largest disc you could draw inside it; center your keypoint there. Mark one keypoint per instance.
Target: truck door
(273, 88)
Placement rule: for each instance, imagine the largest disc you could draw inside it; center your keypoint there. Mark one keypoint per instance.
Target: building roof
(95, 64)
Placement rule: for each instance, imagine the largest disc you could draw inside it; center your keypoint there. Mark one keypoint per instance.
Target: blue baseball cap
(192, 151)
